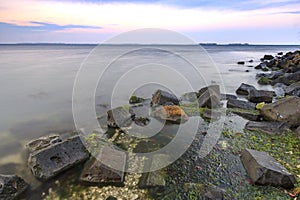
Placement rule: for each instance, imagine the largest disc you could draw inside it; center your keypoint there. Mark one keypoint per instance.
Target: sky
(205, 21)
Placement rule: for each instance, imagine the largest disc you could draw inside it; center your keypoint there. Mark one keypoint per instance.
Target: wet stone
(161, 97)
(265, 170)
(56, 158)
(257, 96)
(12, 186)
(244, 89)
(234, 103)
(210, 97)
(119, 117)
(108, 168)
(43, 142)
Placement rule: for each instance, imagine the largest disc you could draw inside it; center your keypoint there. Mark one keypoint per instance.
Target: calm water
(36, 83)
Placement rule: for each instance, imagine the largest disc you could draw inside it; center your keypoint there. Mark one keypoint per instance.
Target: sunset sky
(93, 21)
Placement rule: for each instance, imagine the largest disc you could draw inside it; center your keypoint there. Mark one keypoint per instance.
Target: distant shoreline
(130, 44)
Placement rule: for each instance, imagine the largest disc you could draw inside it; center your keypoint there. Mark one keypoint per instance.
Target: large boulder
(107, 168)
(209, 96)
(257, 96)
(58, 157)
(161, 97)
(12, 186)
(268, 57)
(285, 110)
(265, 170)
(244, 89)
(235, 103)
(272, 128)
(173, 114)
(120, 117)
(287, 78)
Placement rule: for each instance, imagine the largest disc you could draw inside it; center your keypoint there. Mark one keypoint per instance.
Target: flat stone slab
(108, 168)
(54, 159)
(11, 186)
(272, 128)
(244, 89)
(252, 115)
(235, 103)
(265, 170)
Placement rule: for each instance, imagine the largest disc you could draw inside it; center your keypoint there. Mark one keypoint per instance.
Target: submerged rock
(172, 114)
(161, 97)
(56, 158)
(284, 110)
(12, 186)
(136, 99)
(272, 128)
(119, 117)
(96, 171)
(268, 57)
(241, 62)
(189, 97)
(244, 89)
(265, 170)
(257, 96)
(234, 103)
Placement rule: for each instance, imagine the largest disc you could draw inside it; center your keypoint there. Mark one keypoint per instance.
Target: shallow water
(36, 83)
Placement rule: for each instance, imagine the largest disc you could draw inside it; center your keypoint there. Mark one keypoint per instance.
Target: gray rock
(293, 89)
(265, 170)
(161, 97)
(119, 117)
(241, 62)
(228, 96)
(272, 128)
(56, 158)
(268, 57)
(211, 114)
(244, 89)
(212, 192)
(135, 100)
(279, 90)
(258, 96)
(107, 168)
(210, 97)
(284, 110)
(189, 97)
(287, 79)
(234, 103)
(12, 186)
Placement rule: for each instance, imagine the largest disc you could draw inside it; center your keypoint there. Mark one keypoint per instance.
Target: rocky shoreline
(257, 155)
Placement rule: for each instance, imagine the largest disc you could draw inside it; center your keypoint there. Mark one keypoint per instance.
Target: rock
(210, 97)
(293, 89)
(119, 117)
(244, 89)
(111, 198)
(43, 142)
(287, 78)
(264, 81)
(189, 97)
(262, 66)
(56, 158)
(271, 128)
(257, 96)
(252, 115)
(235, 103)
(280, 53)
(141, 121)
(297, 131)
(284, 110)
(228, 96)
(173, 114)
(250, 61)
(154, 179)
(96, 171)
(211, 114)
(241, 62)
(279, 90)
(265, 170)
(163, 98)
(135, 100)
(268, 57)
(12, 186)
